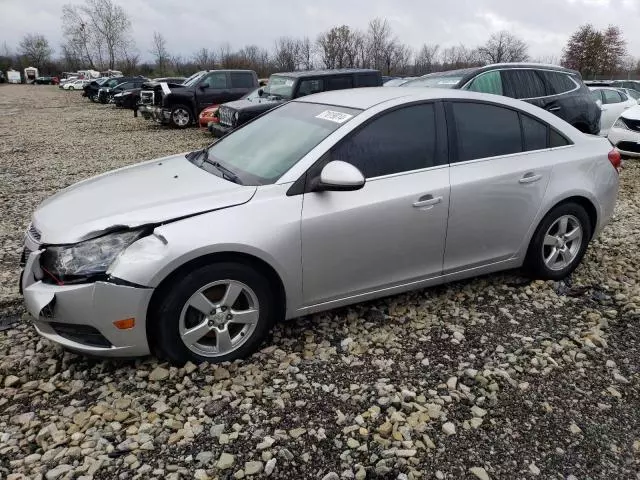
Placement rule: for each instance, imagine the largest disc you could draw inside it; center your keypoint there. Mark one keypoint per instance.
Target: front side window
(215, 80)
(522, 84)
(484, 130)
(260, 152)
(241, 79)
(558, 82)
(490, 82)
(310, 86)
(611, 96)
(398, 141)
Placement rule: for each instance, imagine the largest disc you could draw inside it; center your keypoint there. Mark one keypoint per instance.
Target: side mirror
(203, 86)
(339, 176)
(260, 92)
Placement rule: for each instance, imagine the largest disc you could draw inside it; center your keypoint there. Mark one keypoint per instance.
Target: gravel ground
(495, 377)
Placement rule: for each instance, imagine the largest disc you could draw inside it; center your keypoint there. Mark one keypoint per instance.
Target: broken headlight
(84, 259)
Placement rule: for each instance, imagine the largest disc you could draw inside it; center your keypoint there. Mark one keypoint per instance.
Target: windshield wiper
(225, 171)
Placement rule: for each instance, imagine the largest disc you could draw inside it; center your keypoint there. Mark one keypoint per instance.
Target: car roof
(465, 72)
(593, 88)
(368, 97)
(324, 73)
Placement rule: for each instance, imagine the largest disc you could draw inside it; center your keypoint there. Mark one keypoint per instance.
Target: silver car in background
(325, 201)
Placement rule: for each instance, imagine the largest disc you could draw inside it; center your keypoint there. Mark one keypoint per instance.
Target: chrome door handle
(553, 109)
(530, 178)
(427, 201)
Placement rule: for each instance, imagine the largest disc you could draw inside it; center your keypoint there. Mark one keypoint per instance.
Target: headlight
(620, 124)
(235, 116)
(87, 258)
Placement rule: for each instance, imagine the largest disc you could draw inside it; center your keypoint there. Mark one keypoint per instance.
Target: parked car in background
(47, 80)
(635, 94)
(105, 94)
(632, 84)
(180, 105)
(131, 97)
(326, 201)
(556, 89)
(612, 103)
(93, 88)
(76, 85)
(283, 87)
(625, 132)
(396, 82)
(64, 81)
(210, 114)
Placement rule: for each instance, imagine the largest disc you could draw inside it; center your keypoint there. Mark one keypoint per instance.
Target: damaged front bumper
(81, 317)
(157, 114)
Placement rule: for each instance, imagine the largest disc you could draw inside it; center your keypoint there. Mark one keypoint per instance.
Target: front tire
(559, 243)
(181, 116)
(216, 313)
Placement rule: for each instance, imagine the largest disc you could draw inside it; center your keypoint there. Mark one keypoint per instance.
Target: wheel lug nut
(223, 309)
(229, 317)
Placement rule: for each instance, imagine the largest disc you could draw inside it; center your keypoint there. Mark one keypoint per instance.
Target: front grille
(84, 334)
(226, 116)
(629, 147)
(146, 97)
(632, 124)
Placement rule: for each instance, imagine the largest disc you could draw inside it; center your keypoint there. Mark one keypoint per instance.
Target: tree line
(98, 35)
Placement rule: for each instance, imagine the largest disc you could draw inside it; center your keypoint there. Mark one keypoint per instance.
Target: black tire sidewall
(534, 264)
(187, 109)
(165, 318)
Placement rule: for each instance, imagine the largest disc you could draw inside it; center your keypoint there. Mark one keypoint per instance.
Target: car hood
(632, 113)
(261, 103)
(152, 192)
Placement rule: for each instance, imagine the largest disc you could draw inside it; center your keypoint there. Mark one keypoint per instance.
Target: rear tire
(559, 243)
(181, 116)
(216, 313)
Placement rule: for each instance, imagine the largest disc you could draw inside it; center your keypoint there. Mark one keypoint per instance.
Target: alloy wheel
(562, 242)
(180, 117)
(219, 318)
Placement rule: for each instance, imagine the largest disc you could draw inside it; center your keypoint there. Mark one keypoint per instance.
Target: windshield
(100, 81)
(193, 79)
(280, 86)
(440, 81)
(263, 150)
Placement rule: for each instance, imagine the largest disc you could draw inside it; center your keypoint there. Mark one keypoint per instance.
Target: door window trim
(303, 183)
(466, 85)
(453, 134)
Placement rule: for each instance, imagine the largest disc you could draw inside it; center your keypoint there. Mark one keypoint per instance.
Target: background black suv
(283, 87)
(180, 104)
(105, 94)
(556, 89)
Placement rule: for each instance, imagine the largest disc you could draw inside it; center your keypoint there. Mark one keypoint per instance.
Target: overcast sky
(192, 24)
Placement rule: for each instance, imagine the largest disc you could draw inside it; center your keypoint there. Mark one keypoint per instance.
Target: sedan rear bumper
(81, 317)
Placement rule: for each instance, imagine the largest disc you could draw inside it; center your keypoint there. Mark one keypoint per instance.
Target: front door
(499, 175)
(214, 89)
(390, 232)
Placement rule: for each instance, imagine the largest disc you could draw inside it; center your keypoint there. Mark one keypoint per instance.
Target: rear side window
(485, 131)
(557, 140)
(241, 80)
(339, 83)
(126, 86)
(611, 96)
(310, 86)
(558, 82)
(368, 80)
(398, 141)
(522, 84)
(534, 133)
(490, 82)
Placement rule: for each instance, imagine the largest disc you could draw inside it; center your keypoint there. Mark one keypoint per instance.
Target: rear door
(241, 84)
(499, 174)
(613, 104)
(524, 84)
(214, 89)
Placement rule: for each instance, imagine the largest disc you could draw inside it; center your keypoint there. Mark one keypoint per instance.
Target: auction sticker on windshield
(288, 83)
(332, 116)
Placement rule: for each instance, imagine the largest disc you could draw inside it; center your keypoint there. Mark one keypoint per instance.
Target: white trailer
(30, 74)
(13, 76)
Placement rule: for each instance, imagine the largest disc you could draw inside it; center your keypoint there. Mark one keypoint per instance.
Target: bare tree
(98, 31)
(426, 58)
(160, 53)
(379, 43)
(36, 49)
(286, 54)
(339, 47)
(224, 55)
(583, 50)
(204, 59)
(305, 53)
(504, 47)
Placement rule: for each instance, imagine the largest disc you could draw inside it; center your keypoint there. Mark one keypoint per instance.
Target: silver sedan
(325, 201)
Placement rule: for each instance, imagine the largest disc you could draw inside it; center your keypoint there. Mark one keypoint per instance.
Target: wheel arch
(244, 258)
(585, 203)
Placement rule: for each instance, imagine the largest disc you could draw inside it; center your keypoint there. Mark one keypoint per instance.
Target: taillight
(616, 159)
